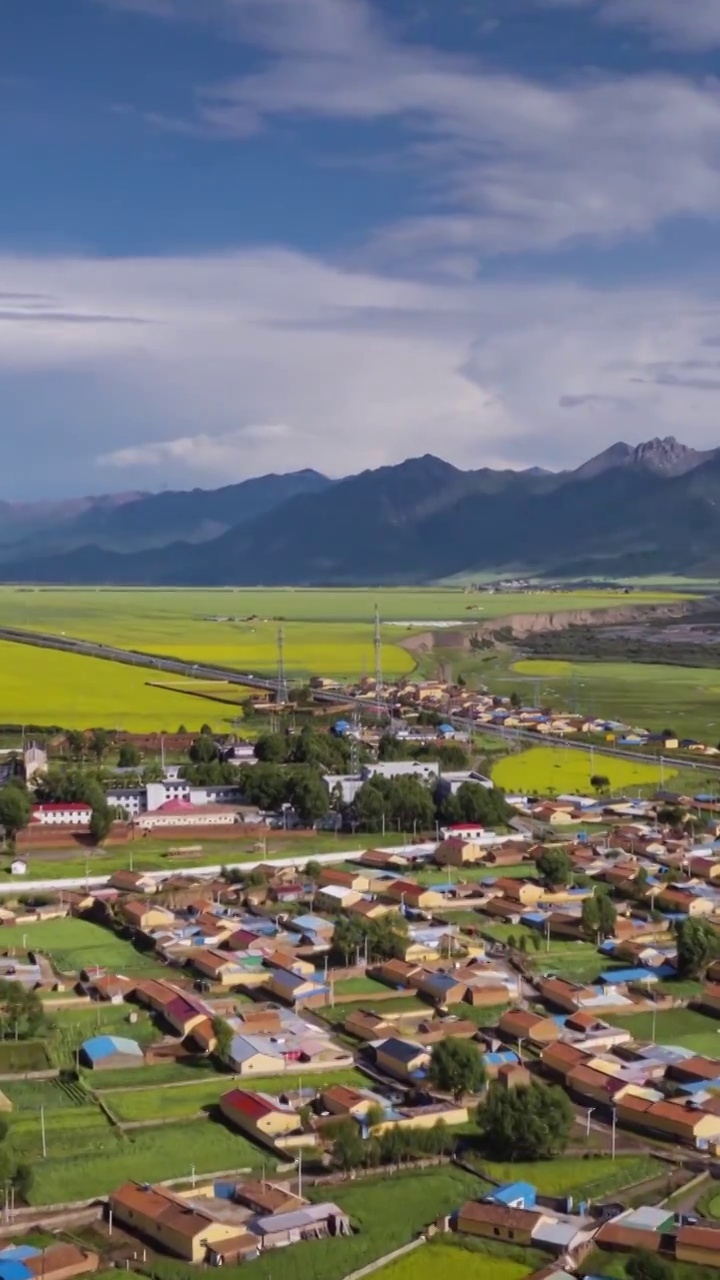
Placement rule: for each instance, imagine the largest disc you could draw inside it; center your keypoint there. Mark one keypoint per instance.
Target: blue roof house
(514, 1195)
(103, 1052)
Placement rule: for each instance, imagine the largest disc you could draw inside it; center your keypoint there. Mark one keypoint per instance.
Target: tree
(99, 743)
(644, 1265)
(536, 940)
(697, 945)
(263, 785)
(599, 783)
(270, 748)
(313, 870)
(223, 1034)
(101, 821)
(128, 756)
(607, 915)
(590, 917)
(671, 815)
(531, 1122)
(555, 867)
(515, 700)
(308, 794)
(22, 1016)
(15, 810)
(203, 749)
(153, 772)
(76, 744)
(348, 1152)
(456, 1067)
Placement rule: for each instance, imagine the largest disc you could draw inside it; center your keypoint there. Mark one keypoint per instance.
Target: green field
(683, 1027)
(74, 944)
(185, 1101)
(645, 695)
(582, 1178)
(548, 770)
(78, 1167)
(455, 1263)
(603, 1262)
(328, 632)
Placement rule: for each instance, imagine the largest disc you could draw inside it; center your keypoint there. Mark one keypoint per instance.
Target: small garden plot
(22, 1055)
(146, 1155)
(454, 1264)
(683, 1027)
(592, 1177)
(184, 1102)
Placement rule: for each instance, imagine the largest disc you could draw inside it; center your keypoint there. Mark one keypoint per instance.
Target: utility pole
(614, 1122)
(589, 1113)
(42, 1132)
(282, 688)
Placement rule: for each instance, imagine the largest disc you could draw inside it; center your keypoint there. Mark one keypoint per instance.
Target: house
(499, 1222)
(588, 1082)
(298, 991)
(366, 1025)
(559, 1059)
(526, 892)
(441, 987)
(455, 851)
(709, 998)
(514, 1195)
(513, 1075)
(146, 915)
(395, 973)
(335, 897)
(409, 894)
(108, 1052)
(111, 987)
(267, 1197)
(370, 909)
(560, 994)
(61, 1261)
(383, 860)
(311, 1222)
(340, 1100)
(168, 1221)
(699, 1245)
(259, 1115)
(133, 882)
(521, 1024)
(185, 1012)
(218, 966)
(345, 879)
(432, 1030)
(402, 1059)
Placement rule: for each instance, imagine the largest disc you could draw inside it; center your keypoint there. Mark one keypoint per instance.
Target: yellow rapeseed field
(47, 687)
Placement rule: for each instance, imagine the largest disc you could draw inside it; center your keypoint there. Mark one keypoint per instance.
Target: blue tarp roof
(103, 1046)
(500, 1058)
(19, 1252)
(10, 1270)
(512, 1191)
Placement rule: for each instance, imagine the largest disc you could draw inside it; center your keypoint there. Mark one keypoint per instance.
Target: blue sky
(251, 235)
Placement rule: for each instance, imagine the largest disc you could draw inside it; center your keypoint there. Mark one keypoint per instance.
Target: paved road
(19, 884)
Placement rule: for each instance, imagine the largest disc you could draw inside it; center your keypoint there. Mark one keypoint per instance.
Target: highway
(158, 662)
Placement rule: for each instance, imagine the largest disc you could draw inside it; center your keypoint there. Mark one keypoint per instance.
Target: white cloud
(274, 360)
(509, 162)
(689, 25)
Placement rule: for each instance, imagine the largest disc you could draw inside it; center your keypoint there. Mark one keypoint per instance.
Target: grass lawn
(74, 944)
(454, 1263)
(637, 693)
(184, 1102)
(147, 1155)
(542, 770)
(683, 1027)
(388, 1008)
(440, 875)
(359, 987)
(195, 1072)
(151, 855)
(581, 1178)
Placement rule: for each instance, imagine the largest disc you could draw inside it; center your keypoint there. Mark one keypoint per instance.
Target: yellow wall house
(258, 1115)
(163, 1218)
(498, 1222)
(699, 1245)
(526, 892)
(144, 915)
(455, 852)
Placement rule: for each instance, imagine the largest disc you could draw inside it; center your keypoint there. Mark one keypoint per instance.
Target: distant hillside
(653, 508)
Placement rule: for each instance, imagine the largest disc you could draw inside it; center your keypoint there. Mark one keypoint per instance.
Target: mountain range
(631, 510)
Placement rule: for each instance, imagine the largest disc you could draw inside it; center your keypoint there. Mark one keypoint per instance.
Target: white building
(63, 814)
